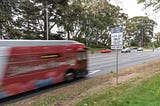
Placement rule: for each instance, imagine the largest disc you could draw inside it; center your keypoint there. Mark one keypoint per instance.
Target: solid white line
(95, 71)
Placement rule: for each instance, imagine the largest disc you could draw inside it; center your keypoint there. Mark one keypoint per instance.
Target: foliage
(141, 28)
(135, 41)
(7, 12)
(25, 19)
(157, 38)
(88, 20)
(154, 4)
(150, 3)
(91, 19)
(96, 20)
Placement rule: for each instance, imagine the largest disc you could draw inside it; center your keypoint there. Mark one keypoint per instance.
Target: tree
(68, 19)
(130, 32)
(31, 17)
(150, 3)
(95, 20)
(7, 12)
(145, 27)
(89, 20)
(157, 38)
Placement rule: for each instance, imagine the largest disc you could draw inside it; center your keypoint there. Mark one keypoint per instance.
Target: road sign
(117, 43)
(117, 38)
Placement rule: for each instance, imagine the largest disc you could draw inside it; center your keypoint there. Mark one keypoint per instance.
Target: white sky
(133, 9)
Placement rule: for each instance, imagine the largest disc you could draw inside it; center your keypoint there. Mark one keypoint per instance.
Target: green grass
(146, 93)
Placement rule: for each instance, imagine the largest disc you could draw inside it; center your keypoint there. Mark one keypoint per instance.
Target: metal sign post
(117, 67)
(117, 43)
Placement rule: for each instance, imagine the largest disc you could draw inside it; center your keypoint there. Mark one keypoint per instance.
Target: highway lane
(100, 64)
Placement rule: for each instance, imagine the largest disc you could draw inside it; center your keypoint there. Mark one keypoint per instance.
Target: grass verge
(145, 93)
(131, 93)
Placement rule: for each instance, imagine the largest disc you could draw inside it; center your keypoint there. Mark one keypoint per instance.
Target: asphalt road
(103, 63)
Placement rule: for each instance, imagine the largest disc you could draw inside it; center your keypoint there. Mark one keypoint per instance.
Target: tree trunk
(68, 35)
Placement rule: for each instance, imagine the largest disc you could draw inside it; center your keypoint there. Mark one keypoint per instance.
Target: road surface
(102, 63)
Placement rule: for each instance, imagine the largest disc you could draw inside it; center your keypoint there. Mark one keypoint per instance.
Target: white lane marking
(95, 71)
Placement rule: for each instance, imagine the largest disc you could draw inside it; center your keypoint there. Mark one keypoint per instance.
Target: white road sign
(117, 38)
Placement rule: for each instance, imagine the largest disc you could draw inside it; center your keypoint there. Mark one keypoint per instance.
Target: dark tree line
(88, 21)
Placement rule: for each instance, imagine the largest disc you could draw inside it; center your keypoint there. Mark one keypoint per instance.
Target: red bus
(30, 64)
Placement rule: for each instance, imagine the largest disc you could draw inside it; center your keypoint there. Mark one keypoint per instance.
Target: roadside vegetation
(131, 93)
(88, 22)
(138, 86)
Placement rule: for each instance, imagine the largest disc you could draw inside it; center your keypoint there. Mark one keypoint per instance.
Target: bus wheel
(69, 76)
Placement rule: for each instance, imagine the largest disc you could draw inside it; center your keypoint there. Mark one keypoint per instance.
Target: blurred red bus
(30, 64)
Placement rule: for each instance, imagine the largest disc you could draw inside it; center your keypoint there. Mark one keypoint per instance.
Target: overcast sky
(133, 9)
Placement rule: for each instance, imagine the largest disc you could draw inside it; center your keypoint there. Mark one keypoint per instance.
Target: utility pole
(46, 17)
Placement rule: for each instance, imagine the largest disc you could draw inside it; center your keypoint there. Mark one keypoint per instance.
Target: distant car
(134, 48)
(140, 49)
(106, 51)
(126, 50)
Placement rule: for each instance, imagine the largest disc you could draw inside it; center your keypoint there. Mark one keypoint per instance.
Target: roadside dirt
(138, 72)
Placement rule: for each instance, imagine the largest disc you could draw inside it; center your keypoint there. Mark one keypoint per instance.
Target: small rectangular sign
(116, 29)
